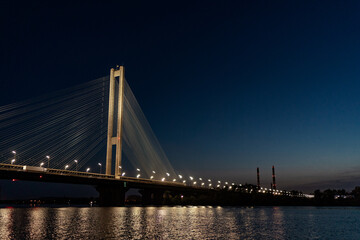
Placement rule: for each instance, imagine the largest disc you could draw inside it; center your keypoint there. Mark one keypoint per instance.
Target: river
(180, 223)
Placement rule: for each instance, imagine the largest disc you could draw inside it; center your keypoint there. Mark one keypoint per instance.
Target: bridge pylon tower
(119, 75)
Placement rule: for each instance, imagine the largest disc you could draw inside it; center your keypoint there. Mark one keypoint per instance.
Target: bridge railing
(13, 167)
(158, 182)
(77, 173)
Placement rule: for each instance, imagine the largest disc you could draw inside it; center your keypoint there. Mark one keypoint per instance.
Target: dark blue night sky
(227, 86)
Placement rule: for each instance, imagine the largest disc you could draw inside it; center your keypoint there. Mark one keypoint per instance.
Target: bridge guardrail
(72, 173)
(11, 166)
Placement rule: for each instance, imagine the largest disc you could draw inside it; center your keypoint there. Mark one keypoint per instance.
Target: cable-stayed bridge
(94, 133)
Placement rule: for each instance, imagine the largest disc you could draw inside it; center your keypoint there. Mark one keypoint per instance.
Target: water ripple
(180, 223)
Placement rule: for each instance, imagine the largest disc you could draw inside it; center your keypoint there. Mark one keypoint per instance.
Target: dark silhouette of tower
(273, 178)
(258, 178)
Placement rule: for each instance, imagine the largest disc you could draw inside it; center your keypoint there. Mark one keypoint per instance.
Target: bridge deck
(11, 171)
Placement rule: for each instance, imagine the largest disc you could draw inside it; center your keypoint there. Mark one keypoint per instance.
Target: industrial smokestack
(273, 178)
(258, 178)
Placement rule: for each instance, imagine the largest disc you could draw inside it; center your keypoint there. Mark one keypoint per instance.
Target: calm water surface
(180, 223)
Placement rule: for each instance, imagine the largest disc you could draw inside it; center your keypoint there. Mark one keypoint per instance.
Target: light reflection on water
(180, 223)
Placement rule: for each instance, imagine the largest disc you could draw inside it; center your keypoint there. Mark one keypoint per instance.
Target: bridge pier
(111, 195)
(152, 196)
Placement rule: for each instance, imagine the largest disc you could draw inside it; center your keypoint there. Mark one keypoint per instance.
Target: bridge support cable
(64, 125)
(130, 132)
(140, 145)
(71, 124)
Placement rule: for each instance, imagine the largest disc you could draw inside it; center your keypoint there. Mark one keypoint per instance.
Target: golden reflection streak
(85, 220)
(5, 223)
(37, 223)
(278, 221)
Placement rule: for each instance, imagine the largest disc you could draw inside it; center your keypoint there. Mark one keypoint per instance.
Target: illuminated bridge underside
(111, 190)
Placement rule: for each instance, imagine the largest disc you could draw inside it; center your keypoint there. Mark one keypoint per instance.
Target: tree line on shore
(337, 197)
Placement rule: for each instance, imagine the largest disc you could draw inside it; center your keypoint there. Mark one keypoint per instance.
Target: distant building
(309, 195)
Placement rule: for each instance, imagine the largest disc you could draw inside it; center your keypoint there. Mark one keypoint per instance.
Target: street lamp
(152, 176)
(138, 169)
(180, 176)
(48, 158)
(100, 167)
(174, 180)
(123, 174)
(88, 169)
(12, 161)
(191, 178)
(163, 179)
(66, 167)
(76, 162)
(137, 176)
(168, 174)
(42, 164)
(14, 152)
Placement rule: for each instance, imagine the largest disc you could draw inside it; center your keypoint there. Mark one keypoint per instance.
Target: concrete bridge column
(111, 139)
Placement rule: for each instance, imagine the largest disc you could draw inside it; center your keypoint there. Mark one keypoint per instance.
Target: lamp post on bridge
(138, 170)
(152, 176)
(48, 158)
(76, 162)
(100, 167)
(13, 152)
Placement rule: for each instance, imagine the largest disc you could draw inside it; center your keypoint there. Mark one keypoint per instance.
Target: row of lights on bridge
(123, 174)
(48, 163)
(194, 182)
(192, 179)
